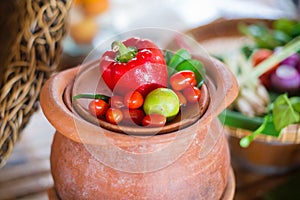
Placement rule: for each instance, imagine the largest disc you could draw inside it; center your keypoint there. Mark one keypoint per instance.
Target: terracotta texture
(89, 162)
(77, 173)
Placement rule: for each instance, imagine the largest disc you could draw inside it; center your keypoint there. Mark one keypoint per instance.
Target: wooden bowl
(266, 154)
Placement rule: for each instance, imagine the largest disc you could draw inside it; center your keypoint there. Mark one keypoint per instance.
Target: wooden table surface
(27, 175)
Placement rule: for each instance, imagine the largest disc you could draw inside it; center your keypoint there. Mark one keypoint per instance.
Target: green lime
(162, 101)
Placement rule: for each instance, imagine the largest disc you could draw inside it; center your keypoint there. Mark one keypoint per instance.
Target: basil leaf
(295, 101)
(195, 66)
(178, 57)
(269, 127)
(284, 113)
(168, 57)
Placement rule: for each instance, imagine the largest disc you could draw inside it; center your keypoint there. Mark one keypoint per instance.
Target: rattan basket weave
(33, 55)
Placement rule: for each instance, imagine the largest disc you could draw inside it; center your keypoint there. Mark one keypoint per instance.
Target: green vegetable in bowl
(281, 32)
(283, 109)
(283, 112)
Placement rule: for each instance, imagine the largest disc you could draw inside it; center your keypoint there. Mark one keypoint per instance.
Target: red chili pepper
(134, 64)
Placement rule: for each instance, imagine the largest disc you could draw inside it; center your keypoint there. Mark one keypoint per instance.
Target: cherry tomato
(259, 56)
(133, 100)
(133, 116)
(98, 107)
(182, 79)
(114, 115)
(182, 99)
(116, 101)
(192, 94)
(154, 120)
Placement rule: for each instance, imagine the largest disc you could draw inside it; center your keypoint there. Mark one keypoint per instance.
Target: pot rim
(54, 108)
(186, 118)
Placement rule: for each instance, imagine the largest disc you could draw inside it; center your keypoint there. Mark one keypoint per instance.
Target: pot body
(198, 171)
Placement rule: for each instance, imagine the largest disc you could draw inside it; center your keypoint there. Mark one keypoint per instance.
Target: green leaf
(296, 30)
(168, 57)
(247, 51)
(254, 30)
(295, 101)
(281, 37)
(196, 66)
(285, 25)
(261, 34)
(269, 127)
(284, 113)
(178, 57)
(266, 128)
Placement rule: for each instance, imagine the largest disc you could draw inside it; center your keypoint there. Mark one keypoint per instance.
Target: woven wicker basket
(32, 48)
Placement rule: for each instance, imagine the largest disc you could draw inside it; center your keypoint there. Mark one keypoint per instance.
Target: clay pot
(92, 162)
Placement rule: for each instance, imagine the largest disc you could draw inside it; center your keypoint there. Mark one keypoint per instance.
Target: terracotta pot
(90, 162)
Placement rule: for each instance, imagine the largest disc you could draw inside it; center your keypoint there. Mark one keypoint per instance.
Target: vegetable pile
(149, 87)
(268, 72)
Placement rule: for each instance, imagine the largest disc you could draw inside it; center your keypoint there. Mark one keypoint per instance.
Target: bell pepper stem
(119, 46)
(124, 54)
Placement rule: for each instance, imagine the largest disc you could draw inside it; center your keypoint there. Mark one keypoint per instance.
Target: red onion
(292, 60)
(285, 79)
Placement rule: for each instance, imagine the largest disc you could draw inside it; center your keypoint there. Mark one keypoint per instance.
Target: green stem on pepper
(91, 96)
(124, 54)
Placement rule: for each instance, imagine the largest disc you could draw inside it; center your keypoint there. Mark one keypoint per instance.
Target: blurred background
(27, 173)
(92, 21)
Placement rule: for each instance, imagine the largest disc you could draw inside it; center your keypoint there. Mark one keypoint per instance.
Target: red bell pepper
(134, 64)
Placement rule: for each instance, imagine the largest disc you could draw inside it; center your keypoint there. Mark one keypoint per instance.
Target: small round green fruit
(162, 101)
